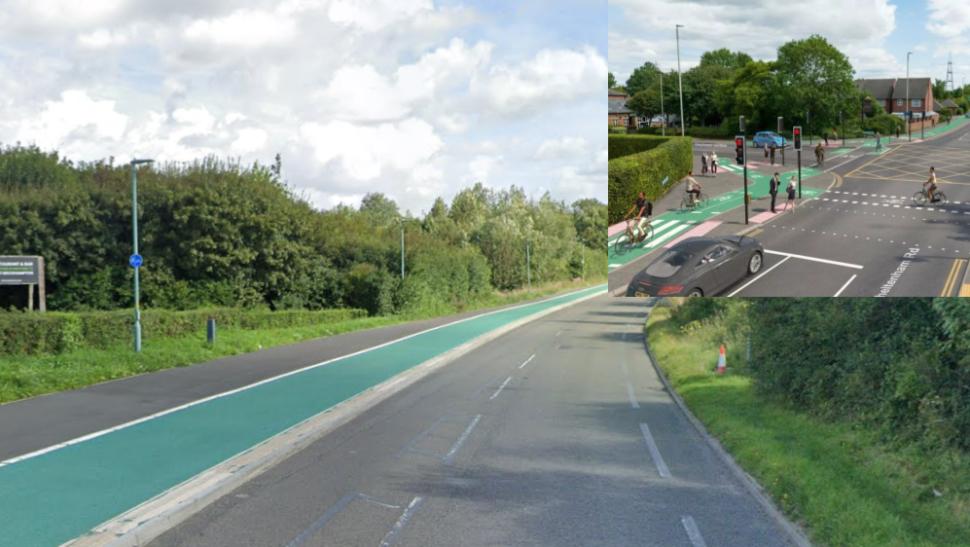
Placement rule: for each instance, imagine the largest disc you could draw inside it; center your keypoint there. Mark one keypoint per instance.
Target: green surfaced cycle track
(59, 495)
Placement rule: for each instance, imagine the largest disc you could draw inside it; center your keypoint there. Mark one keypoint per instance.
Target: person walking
(772, 154)
(791, 195)
(714, 162)
(704, 163)
(820, 154)
(773, 185)
(825, 135)
(766, 150)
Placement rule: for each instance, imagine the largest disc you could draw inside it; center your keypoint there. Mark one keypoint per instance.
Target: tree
(700, 92)
(724, 58)
(611, 81)
(939, 90)
(814, 77)
(751, 93)
(589, 217)
(379, 208)
(642, 78)
(645, 103)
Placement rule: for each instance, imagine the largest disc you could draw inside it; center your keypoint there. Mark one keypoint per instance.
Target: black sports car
(699, 266)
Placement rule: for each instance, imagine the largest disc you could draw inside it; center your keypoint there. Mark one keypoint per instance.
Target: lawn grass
(25, 376)
(839, 481)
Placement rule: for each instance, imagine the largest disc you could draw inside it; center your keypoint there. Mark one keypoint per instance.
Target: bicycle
(687, 204)
(629, 239)
(920, 198)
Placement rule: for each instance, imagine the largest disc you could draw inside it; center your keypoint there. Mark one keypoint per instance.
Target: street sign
(797, 137)
(135, 261)
(19, 270)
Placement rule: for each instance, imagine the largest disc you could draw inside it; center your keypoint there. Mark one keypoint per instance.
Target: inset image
(793, 164)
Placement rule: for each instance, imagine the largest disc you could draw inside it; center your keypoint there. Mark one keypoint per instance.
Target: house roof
(618, 106)
(950, 103)
(914, 84)
(880, 88)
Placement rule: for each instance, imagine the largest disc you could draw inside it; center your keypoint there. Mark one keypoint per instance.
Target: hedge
(644, 171)
(58, 332)
(625, 145)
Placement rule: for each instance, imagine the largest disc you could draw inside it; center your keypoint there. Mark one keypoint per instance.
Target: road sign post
(135, 261)
(781, 131)
(25, 270)
(743, 156)
(797, 144)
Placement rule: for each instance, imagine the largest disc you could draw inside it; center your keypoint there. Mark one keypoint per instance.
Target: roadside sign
(135, 261)
(19, 270)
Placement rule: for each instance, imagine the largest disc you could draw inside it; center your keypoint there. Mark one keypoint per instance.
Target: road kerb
(795, 533)
(147, 521)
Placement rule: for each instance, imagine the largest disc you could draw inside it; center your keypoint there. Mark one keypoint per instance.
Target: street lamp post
(135, 258)
(909, 120)
(402, 249)
(680, 82)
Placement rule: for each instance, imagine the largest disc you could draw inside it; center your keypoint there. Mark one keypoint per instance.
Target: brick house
(891, 94)
(619, 114)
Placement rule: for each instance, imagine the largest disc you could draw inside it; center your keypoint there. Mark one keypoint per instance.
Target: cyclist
(693, 188)
(642, 210)
(929, 187)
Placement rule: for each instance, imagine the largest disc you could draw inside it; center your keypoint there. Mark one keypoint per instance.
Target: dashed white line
(500, 388)
(450, 456)
(654, 452)
(531, 357)
(742, 287)
(633, 397)
(391, 536)
(851, 279)
(693, 533)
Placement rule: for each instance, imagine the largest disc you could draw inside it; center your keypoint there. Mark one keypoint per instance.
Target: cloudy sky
(413, 98)
(875, 34)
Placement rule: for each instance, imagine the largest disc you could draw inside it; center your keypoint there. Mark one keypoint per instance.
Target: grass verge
(31, 375)
(842, 483)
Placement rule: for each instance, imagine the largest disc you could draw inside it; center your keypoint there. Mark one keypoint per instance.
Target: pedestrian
(897, 131)
(772, 154)
(819, 154)
(704, 163)
(714, 162)
(825, 135)
(791, 195)
(879, 139)
(766, 150)
(773, 185)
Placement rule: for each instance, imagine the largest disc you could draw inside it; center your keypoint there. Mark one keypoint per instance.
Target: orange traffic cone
(721, 361)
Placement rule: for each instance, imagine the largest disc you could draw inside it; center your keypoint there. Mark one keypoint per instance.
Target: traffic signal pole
(797, 141)
(744, 161)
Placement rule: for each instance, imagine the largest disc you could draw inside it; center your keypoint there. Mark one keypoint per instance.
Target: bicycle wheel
(647, 233)
(919, 198)
(702, 200)
(685, 204)
(620, 244)
(942, 197)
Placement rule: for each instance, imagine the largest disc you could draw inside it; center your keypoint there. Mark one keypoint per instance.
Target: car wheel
(695, 293)
(755, 263)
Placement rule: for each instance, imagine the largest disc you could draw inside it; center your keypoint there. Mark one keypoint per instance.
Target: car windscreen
(667, 265)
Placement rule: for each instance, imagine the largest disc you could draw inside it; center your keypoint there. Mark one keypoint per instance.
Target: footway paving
(51, 497)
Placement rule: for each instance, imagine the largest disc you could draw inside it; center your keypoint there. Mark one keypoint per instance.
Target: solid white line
(500, 388)
(846, 285)
(533, 356)
(159, 414)
(693, 533)
(762, 274)
(814, 259)
(391, 536)
(654, 452)
(633, 398)
(450, 456)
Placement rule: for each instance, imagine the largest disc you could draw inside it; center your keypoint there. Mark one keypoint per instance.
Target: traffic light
(739, 149)
(797, 137)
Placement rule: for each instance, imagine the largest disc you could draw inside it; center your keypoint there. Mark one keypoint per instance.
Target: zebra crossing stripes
(663, 231)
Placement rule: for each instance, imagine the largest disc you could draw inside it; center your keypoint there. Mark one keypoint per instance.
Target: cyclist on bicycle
(930, 186)
(642, 210)
(693, 188)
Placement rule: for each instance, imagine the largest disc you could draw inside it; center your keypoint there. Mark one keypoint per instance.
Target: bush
(625, 145)
(645, 171)
(57, 332)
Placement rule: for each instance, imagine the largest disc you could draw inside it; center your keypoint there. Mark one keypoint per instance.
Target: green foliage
(625, 145)
(610, 81)
(642, 78)
(645, 172)
(60, 332)
(217, 233)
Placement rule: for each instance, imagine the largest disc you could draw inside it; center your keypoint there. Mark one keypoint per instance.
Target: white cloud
(250, 139)
(481, 167)
(102, 38)
(374, 15)
(565, 147)
(551, 76)
(75, 115)
(243, 28)
(948, 18)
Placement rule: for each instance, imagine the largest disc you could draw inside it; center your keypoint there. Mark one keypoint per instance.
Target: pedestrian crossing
(663, 231)
(891, 201)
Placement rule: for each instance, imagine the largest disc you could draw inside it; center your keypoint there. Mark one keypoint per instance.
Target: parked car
(699, 266)
(761, 138)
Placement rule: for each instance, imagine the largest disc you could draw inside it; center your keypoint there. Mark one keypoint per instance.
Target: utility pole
(909, 119)
(135, 260)
(680, 81)
(744, 148)
(528, 264)
(402, 249)
(663, 126)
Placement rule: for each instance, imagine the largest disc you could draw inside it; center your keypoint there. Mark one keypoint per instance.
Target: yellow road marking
(951, 278)
(755, 232)
(879, 157)
(965, 289)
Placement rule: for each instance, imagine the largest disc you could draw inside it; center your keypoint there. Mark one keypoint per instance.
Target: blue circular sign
(135, 261)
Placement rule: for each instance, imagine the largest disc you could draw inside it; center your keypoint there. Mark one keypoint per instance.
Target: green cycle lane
(54, 497)
(672, 223)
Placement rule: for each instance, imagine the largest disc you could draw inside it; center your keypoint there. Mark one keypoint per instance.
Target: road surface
(557, 433)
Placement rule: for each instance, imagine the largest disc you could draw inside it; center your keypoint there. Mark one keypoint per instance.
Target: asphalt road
(557, 433)
(859, 234)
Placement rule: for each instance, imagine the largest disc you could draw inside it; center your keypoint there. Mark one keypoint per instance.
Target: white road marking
(814, 259)
(762, 274)
(500, 388)
(851, 279)
(391, 536)
(654, 452)
(693, 533)
(450, 456)
(633, 398)
(533, 356)
(341, 504)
